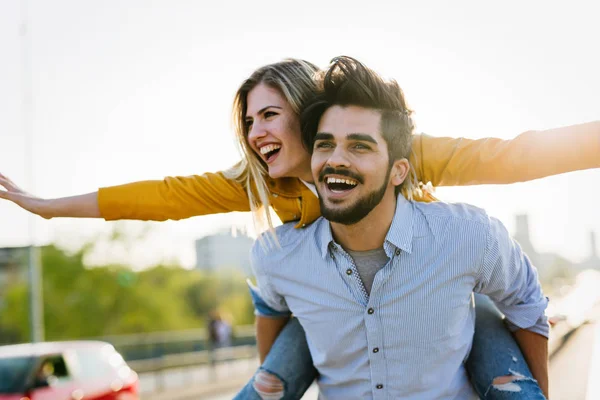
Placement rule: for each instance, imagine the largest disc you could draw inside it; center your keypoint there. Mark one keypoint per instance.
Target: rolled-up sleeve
(511, 281)
(268, 297)
(261, 308)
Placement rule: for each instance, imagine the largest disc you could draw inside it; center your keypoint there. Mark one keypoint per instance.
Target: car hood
(11, 396)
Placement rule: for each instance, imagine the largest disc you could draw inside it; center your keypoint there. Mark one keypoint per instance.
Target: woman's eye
(270, 114)
(248, 124)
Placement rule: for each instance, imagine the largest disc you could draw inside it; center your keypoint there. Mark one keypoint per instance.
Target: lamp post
(36, 305)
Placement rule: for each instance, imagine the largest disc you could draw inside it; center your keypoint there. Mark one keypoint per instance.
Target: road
(574, 368)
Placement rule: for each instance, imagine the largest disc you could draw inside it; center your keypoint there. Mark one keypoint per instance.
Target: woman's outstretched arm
(531, 155)
(156, 200)
(82, 206)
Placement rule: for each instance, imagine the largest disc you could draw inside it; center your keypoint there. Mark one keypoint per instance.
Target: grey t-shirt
(368, 263)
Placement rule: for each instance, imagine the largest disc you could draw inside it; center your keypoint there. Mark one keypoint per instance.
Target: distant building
(224, 250)
(593, 261)
(522, 236)
(544, 260)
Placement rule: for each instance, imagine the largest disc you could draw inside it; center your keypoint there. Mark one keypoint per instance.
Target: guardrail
(209, 360)
(156, 345)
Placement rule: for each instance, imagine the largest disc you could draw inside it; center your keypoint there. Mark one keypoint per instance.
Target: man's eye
(360, 146)
(323, 145)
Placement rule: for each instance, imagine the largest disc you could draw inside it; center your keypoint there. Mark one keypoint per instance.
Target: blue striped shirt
(410, 337)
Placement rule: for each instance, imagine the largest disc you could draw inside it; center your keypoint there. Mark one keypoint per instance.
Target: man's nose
(338, 158)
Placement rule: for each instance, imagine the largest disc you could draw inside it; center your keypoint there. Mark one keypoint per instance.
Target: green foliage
(82, 302)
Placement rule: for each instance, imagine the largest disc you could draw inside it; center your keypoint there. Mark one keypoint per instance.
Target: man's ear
(400, 171)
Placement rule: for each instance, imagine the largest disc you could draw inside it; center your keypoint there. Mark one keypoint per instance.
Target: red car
(78, 370)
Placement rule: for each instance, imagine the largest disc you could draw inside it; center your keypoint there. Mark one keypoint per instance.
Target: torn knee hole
(268, 386)
(501, 380)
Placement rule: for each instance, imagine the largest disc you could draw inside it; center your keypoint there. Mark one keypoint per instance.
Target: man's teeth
(269, 148)
(338, 180)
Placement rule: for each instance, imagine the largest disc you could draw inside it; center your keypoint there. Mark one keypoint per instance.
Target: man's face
(350, 163)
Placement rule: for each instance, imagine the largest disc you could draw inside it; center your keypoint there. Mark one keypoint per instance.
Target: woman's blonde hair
(295, 80)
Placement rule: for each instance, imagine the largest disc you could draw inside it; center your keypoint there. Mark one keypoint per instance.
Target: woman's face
(274, 134)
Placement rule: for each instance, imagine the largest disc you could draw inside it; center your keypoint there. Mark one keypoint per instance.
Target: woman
(275, 172)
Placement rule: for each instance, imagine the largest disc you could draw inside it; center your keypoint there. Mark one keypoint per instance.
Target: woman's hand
(23, 199)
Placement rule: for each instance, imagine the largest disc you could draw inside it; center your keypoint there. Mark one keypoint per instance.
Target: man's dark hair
(347, 82)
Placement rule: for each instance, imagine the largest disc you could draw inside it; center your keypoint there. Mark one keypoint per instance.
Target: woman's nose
(257, 131)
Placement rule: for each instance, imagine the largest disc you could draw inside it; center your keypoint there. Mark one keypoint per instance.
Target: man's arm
(535, 350)
(510, 280)
(267, 330)
(270, 308)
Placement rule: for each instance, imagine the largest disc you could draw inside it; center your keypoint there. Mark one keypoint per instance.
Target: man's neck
(369, 233)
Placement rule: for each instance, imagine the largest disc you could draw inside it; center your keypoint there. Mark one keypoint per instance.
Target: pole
(36, 305)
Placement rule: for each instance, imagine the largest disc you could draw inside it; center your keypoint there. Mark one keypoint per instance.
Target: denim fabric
(289, 360)
(494, 354)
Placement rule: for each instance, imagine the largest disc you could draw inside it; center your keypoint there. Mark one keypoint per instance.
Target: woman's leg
(288, 370)
(496, 365)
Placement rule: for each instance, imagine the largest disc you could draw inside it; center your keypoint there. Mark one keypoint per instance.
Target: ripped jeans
(289, 370)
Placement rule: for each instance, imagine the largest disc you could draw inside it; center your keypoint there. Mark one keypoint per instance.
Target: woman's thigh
(288, 370)
(496, 365)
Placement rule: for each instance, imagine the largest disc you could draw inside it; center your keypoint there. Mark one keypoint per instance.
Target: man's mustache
(341, 172)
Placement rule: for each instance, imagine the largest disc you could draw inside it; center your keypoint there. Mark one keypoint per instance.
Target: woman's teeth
(269, 148)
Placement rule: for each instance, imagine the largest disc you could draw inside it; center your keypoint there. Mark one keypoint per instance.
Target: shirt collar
(401, 230)
(400, 234)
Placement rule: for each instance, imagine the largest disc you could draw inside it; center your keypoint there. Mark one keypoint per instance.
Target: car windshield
(13, 373)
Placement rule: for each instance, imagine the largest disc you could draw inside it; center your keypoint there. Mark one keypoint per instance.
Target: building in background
(553, 265)
(224, 250)
(593, 261)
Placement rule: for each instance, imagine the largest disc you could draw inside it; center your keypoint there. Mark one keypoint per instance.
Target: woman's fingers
(8, 184)
(5, 194)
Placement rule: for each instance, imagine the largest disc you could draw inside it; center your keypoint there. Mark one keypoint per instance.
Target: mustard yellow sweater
(440, 160)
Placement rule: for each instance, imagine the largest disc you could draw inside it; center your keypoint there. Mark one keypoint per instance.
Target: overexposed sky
(142, 89)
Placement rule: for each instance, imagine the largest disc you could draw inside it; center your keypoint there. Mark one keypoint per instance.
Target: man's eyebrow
(323, 136)
(262, 110)
(363, 137)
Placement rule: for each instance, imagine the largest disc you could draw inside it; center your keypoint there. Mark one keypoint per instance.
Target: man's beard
(356, 212)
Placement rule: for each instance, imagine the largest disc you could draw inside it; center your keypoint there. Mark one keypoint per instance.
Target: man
(383, 286)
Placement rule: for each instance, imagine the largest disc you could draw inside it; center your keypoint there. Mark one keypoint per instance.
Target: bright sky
(142, 89)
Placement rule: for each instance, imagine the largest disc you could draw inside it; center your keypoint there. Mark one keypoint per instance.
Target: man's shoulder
(460, 213)
(286, 240)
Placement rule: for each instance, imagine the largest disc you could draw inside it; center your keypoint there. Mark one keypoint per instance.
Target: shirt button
(348, 271)
(379, 386)
(397, 252)
(376, 350)
(304, 225)
(370, 311)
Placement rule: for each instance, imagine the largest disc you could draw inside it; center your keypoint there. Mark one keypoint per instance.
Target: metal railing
(156, 345)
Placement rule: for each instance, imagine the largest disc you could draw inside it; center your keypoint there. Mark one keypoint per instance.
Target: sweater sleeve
(531, 155)
(173, 198)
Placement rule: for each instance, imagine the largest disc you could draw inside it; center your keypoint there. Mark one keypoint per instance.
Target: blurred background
(101, 93)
